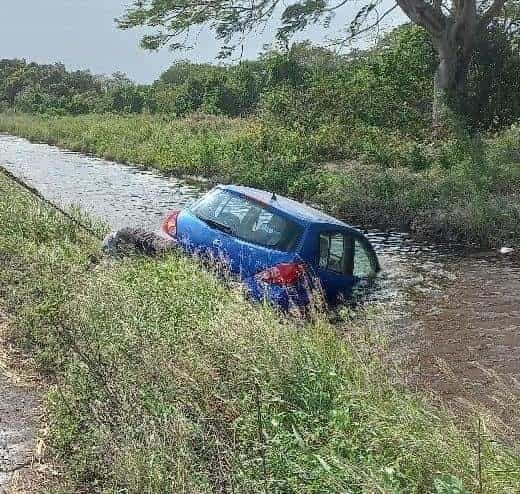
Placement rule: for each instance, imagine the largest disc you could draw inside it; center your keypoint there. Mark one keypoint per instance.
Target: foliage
(168, 381)
(51, 89)
(493, 89)
(453, 29)
(389, 86)
(460, 189)
(345, 131)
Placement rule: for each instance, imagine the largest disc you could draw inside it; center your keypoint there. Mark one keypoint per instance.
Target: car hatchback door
(241, 233)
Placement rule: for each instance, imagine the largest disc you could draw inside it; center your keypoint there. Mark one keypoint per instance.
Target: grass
(167, 381)
(459, 190)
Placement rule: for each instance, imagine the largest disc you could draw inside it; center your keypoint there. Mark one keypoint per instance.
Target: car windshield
(247, 220)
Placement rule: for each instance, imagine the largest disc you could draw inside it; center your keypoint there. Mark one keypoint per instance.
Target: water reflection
(120, 195)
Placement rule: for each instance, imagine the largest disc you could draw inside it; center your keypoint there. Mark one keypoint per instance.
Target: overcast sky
(82, 34)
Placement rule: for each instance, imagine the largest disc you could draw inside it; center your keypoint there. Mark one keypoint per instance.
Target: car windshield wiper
(216, 224)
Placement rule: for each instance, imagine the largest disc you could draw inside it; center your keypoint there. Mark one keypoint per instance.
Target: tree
(454, 27)
(492, 97)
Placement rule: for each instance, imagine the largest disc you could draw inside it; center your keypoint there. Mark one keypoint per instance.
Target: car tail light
(169, 225)
(287, 273)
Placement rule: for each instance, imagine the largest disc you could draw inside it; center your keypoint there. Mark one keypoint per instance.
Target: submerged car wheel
(136, 240)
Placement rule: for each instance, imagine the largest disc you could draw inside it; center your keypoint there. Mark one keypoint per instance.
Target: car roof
(286, 205)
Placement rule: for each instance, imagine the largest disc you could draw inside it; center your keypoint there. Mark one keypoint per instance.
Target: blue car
(281, 249)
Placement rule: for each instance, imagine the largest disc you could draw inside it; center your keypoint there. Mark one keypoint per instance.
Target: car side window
(364, 262)
(336, 252)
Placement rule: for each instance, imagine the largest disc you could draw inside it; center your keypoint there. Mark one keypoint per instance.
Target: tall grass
(459, 189)
(167, 381)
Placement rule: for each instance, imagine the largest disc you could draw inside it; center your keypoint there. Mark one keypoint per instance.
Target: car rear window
(247, 220)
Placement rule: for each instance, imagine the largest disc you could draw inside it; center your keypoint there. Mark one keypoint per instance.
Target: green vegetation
(456, 32)
(167, 381)
(389, 86)
(351, 133)
(464, 190)
(51, 89)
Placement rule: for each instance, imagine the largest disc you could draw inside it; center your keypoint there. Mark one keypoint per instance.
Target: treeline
(51, 89)
(307, 86)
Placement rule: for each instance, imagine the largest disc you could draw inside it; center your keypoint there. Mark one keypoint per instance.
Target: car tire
(127, 241)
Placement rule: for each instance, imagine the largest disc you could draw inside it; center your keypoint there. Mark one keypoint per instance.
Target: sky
(82, 34)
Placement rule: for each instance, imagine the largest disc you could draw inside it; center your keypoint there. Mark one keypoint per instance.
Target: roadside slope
(166, 380)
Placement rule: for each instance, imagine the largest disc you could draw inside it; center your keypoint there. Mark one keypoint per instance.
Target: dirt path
(19, 421)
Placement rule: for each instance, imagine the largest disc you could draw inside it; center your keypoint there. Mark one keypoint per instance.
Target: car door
(222, 244)
(344, 260)
(334, 264)
(244, 249)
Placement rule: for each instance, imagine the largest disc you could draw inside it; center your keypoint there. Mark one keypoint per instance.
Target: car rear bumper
(165, 236)
(285, 297)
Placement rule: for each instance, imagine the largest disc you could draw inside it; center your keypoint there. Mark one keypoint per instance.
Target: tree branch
(491, 12)
(371, 26)
(337, 6)
(424, 15)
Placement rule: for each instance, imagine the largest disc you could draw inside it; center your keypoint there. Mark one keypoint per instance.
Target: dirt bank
(19, 422)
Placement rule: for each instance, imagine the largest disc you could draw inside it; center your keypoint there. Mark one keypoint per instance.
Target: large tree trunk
(453, 35)
(445, 88)
(455, 56)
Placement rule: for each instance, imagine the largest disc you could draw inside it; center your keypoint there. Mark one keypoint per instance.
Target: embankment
(168, 381)
(464, 190)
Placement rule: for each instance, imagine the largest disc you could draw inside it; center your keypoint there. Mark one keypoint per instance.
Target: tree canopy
(454, 27)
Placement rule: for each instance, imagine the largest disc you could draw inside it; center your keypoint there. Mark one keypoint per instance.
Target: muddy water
(457, 313)
(120, 195)
(459, 335)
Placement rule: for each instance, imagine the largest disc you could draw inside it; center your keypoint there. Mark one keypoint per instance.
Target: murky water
(457, 313)
(120, 195)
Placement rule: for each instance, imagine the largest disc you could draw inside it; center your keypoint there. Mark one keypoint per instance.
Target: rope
(42, 198)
